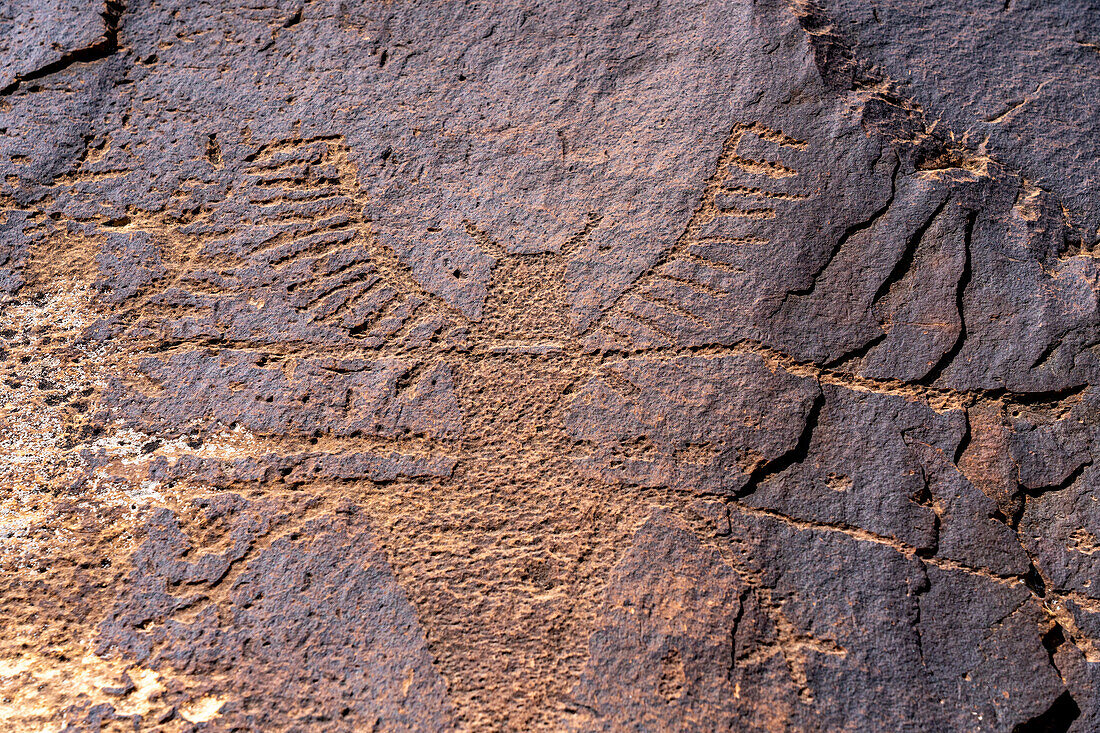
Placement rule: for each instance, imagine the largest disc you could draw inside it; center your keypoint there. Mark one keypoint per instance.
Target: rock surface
(570, 366)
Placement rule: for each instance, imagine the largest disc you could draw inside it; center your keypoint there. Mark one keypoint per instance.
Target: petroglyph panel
(588, 366)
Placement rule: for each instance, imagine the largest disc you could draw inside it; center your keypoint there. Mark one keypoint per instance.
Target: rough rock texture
(572, 366)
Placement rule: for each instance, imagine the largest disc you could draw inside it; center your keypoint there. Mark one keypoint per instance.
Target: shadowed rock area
(446, 366)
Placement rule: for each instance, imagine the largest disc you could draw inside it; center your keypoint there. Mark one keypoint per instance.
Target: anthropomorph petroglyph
(594, 367)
